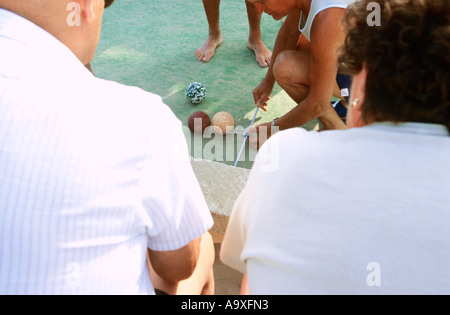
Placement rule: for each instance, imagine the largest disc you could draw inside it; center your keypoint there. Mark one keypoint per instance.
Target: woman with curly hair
(403, 64)
(375, 220)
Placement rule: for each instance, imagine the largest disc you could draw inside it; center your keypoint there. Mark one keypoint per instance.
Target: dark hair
(407, 57)
(108, 3)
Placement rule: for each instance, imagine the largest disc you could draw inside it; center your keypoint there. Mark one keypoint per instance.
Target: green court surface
(151, 44)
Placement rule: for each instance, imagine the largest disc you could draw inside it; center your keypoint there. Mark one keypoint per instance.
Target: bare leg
(255, 42)
(291, 71)
(215, 38)
(200, 282)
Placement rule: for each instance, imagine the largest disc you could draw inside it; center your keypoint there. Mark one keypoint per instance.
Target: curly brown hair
(407, 58)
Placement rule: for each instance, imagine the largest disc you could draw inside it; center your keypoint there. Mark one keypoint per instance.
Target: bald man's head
(76, 24)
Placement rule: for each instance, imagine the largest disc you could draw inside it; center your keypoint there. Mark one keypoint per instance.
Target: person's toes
(263, 62)
(199, 55)
(204, 55)
(263, 55)
(207, 57)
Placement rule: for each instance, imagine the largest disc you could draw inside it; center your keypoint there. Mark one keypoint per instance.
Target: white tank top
(318, 6)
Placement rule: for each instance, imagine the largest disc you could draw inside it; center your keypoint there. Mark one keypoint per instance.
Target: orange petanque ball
(198, 122)
(222, 122)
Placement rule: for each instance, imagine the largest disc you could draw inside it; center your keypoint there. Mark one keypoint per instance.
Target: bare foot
(263, 54)
(206, 52)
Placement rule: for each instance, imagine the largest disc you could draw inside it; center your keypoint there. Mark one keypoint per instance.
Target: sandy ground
(227, 280)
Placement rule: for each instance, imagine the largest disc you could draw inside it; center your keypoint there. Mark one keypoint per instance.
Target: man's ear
(88, 12)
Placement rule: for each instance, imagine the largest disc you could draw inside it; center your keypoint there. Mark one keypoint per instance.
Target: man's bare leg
(201, 282)
(255, 42)
(292, 73)
(215, 38)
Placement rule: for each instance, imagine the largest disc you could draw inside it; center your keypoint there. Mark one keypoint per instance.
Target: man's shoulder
(296, 138)
(306, 137)
(110, 110)
(299, 145)
(130, 101)
(116, 92)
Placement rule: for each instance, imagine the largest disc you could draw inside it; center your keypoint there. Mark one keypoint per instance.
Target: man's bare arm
(177, 265)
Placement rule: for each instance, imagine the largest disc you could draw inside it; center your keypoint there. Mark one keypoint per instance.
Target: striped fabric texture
(92, 173)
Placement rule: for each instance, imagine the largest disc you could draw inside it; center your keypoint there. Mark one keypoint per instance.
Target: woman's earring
(355, 103)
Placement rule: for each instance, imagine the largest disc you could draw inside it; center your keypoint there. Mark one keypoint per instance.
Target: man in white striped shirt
(94, 175)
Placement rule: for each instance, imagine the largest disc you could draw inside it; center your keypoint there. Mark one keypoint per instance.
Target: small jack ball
(198, 122)
(195, 92)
